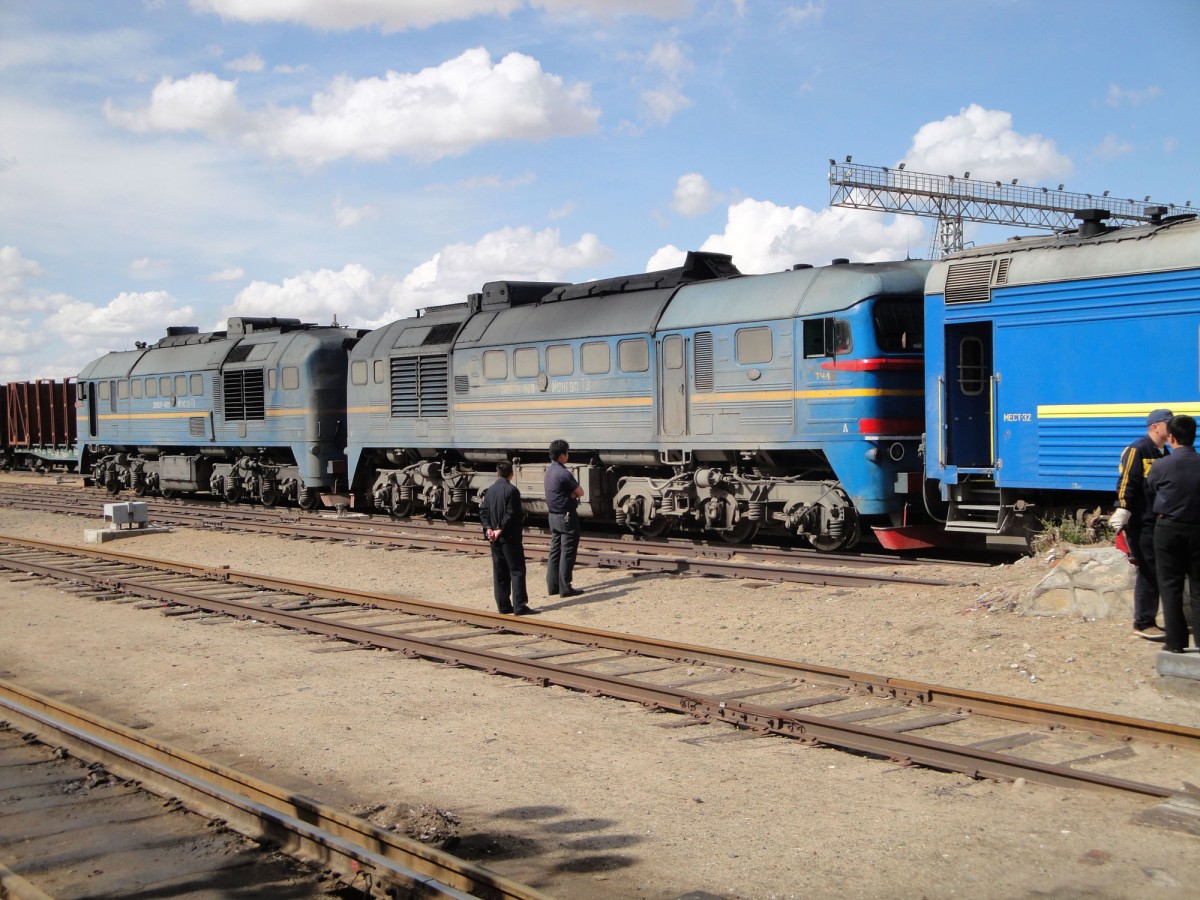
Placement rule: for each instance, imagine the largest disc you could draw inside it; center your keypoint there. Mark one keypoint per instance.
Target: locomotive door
(968, 389)
(673, 384)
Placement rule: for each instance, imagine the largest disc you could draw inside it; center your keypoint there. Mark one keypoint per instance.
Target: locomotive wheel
(456, 512)
(740, 533)
(112, 484)
(830, 544)
(169, 494)
(270, 494)
(401, 509)
(308, 499)
(233, 490)
(140, 488)
(658, 527)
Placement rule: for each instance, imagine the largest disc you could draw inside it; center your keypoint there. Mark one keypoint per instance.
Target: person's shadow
(598, 593)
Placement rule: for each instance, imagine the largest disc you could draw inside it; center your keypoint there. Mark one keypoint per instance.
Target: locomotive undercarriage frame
(729, 503)
(251, 476)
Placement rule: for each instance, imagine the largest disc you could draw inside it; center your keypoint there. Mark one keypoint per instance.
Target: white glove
(1119, 519)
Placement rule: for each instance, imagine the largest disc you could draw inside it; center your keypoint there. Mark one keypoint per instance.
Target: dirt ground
(587, 798)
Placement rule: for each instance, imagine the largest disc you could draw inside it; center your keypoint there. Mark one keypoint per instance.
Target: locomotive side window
(970, 366)
(379, 372)
(197, 382)
(595, 358)
(673, 351)
(899, 326)
(291, 377)
(180, 385)
(525, 362)
(826, 337)
(358, 372)
(135, 389)
(560, 360)
(495, 364)
(633, 355)
(151, 387)
(754, 345)
(272, 379)
(123, 389)
(164, 386)
(103, 390)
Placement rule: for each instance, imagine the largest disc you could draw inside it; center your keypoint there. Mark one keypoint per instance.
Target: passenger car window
(595, 358)
(633, 355)
(754, 345)
(495, 364)
(525, 362)
(560, 360)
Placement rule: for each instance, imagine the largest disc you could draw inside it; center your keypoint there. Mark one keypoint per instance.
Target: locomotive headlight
(896, 451)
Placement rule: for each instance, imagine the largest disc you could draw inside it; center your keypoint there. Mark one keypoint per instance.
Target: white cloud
(1119, 96)
(561, 212)
(983, 142)
(201, 102)
(147, 268)
(251, 62)
(349, 216)
(668, 257)
(14, 269)
(234, 273)
(799, 15)
(98, 329)
(765, 237)
(399, 15)
(354, 295)
(660, 104)
(1112, 147)
(439, 111)
(693, 196)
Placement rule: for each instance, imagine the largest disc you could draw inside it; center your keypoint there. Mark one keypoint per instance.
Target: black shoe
(1174, 650)
(551, 593)
(528, 611)
(506, 612)
(571, 592)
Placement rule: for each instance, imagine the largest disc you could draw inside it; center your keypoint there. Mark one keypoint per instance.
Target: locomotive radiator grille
(702, 360)
(244, 398)
(420, 387)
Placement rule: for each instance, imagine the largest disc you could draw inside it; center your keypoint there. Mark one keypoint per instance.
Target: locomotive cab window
(899, 326)
(525, 362)
(595, 358)
(633, 355)
(104, 390)
(753, 346)
(291, 378)
(560, 360)
(272, 379)
(970, 366)
(826, 337)
(378, 372)
(495, 365)
(358, 372)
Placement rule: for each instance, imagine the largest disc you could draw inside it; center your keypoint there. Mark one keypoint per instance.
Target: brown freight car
(38, 428)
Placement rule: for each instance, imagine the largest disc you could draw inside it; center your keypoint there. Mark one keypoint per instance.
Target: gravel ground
(588, 798)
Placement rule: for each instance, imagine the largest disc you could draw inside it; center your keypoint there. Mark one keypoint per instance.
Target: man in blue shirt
(562, 503)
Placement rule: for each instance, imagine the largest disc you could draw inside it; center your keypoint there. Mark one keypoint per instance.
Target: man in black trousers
(1174, 487)
(562, 504)
(502, 518)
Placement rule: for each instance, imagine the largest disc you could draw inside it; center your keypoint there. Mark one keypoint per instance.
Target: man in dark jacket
(562, 504)
(1134, 516)
(502, 518)
(1174, 485)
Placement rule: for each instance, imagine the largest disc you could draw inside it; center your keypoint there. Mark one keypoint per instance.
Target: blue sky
(167, 162)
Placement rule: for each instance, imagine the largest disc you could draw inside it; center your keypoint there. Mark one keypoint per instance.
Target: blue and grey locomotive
(1043, 357)
(256, 411)
(694, 396)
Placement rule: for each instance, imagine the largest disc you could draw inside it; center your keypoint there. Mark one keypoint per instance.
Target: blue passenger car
(1044, 356)
(693, 396)
(255, 411)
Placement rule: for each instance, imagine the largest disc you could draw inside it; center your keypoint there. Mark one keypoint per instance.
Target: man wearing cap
(1135, 517)
(1174, 494)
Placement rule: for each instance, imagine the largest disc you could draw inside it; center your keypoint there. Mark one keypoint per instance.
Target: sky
(178, 162)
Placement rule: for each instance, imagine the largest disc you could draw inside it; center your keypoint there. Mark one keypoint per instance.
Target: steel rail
(901, 747)
(883, 686)
(378, 861)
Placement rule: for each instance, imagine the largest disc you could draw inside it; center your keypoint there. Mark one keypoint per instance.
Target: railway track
(781, 564)
(907, 722)
(94, 809)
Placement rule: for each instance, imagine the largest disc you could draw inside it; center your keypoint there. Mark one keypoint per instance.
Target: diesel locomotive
(1043, 357)
(693, 396)
(256, 411)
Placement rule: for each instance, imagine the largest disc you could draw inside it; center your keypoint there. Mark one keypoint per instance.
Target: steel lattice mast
(952, 201)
